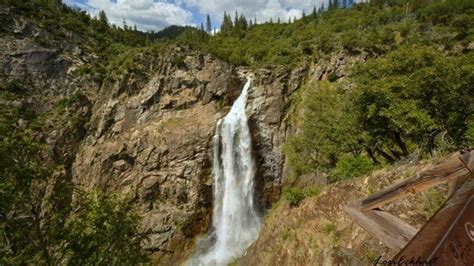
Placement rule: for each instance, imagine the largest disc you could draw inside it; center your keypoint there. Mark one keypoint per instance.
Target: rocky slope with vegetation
(106, 133)
(318, 231)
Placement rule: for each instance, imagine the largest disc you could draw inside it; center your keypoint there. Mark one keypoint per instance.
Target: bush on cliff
(349, 166)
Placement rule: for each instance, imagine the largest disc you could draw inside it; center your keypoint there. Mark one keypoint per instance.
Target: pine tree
(314, 11)
(289, 20)
(243, 22)
(303, 15)
(255, 20)
(125, 27)
(202, 27)
(250, 23)
(208, 24)
(229, 21)
(271, 21)
(278, 21)
(103, 18)
(236, 19)
(226, 25)
(333, 4)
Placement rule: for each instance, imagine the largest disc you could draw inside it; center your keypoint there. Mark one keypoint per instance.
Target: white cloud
(262, 9)
(145, 14)
(139, 4)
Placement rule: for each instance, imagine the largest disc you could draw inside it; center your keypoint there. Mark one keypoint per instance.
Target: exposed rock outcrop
(266, 109)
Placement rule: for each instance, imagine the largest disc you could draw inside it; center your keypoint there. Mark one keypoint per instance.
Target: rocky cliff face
(267, 105)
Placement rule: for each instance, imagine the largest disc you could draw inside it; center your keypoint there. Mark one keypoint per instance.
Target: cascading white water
(235, 219)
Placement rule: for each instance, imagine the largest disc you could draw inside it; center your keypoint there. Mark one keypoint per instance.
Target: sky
(158, 14)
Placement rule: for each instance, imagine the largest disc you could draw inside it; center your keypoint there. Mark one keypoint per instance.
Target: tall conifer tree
(208, 24)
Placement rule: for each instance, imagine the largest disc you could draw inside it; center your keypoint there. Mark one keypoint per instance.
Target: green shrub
(178, 61)
(104, 229)
(312, 191)
(351, 166)
(294, 196)
(68, 102)
(434, 199)
(328, 130)
(329, 228)
(469, 135)
(402, 102)
(286, 234)
(371, 256)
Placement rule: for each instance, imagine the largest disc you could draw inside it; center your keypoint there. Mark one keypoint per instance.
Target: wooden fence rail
(394, 232)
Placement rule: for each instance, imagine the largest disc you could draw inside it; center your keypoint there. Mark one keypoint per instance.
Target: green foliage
(287, 234)
(371, 189)
(68, 102)
(469, 135)
(130, 65)
(411, 95)
(328, 130)
(312, 191)
(433, 200)
(349, 166)
(103, 230)
(171, 32)
(329, 228)
(371, 256)
(295, 195)
(193, 36)
(20, 238)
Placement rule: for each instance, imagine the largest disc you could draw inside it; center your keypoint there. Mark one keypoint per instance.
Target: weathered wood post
(448, 236)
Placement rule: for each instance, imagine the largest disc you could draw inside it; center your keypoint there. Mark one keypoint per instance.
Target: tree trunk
(371, 155)
(385, 155)
(395, 154)
(401, 144)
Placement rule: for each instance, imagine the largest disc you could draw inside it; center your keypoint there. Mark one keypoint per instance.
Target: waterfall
(236, 222)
